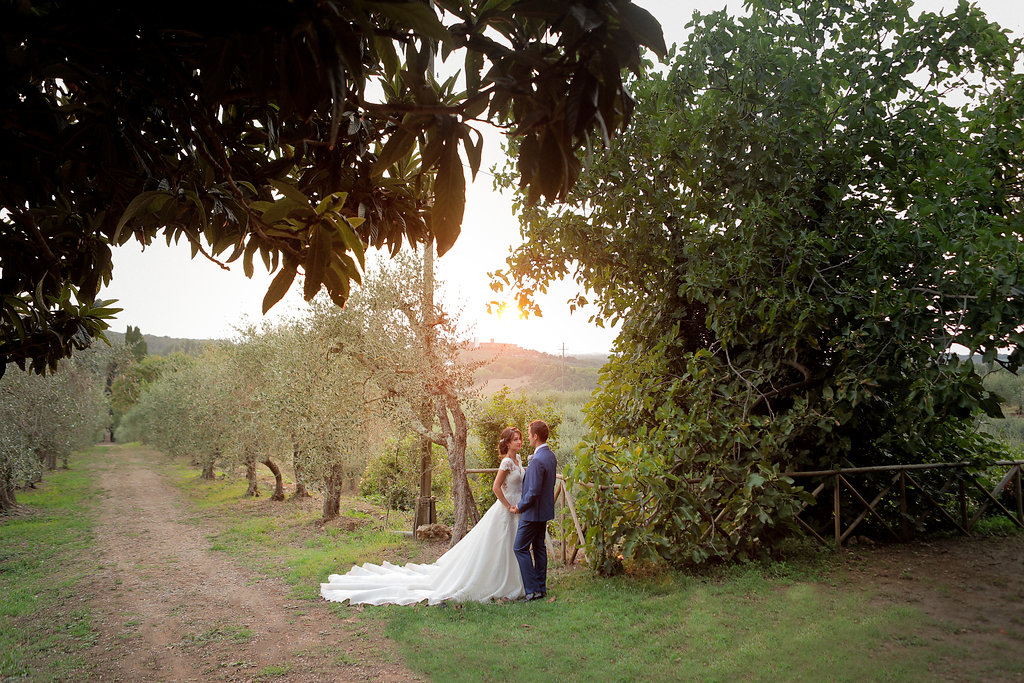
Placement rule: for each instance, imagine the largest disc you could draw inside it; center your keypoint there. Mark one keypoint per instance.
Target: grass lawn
(739, 625)
(45, 623)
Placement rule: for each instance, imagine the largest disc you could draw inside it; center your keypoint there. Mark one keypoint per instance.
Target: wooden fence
(960, 489)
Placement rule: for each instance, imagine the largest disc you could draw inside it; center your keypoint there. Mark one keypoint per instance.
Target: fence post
(835, 513)
(561, 521)
(1020, 502)
(963, 502)
(903, 505)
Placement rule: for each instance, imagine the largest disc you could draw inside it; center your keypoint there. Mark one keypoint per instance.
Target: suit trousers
(532, 555)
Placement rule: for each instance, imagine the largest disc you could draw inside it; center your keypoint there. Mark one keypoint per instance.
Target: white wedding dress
(481, 567)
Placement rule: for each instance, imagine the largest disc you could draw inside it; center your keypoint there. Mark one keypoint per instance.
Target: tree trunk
(250, 474)
(7, 500)
(332, 492)
(457, 434)
(208, 463)
(49, 460)
(278, 479)
(300, 474)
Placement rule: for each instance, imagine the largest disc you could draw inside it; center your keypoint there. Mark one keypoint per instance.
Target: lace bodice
(512, 487)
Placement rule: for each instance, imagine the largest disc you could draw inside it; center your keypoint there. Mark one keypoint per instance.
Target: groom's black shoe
(528, 597)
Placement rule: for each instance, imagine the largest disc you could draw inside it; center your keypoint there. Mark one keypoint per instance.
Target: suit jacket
(537, 503)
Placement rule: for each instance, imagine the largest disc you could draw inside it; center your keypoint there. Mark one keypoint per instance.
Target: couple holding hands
(503, 556)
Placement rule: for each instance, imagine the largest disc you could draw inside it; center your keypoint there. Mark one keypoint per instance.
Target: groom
(537, 506)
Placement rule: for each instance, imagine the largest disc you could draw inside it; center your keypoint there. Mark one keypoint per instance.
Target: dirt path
(169, 609)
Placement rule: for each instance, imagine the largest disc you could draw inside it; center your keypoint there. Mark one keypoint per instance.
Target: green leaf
(449, 198)
(645, 27)
(279, 210)
(418, 16)
(345, 227)
(474, 149)
(250, 250)
(317, 258)
(400, 144)
(280, 284)
(145, 202)
(291, 192)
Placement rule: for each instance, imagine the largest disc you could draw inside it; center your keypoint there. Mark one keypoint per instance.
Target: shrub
(506, 408)
(393, 476)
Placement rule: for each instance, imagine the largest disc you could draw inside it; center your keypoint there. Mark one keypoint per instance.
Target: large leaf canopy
(296, 132)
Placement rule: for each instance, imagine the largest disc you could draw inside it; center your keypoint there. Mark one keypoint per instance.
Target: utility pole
(563, 367)
(425, 503)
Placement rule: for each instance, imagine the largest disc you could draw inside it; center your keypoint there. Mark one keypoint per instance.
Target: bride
(480, 567)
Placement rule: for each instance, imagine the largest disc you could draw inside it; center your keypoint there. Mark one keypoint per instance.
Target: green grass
(740, 625)
(747, 622)
(45, 624)
(288, 543)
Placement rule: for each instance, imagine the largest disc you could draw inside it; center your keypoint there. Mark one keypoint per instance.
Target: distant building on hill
(494, 347)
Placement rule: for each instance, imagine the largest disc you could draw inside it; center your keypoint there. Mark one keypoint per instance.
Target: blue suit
(537, 506)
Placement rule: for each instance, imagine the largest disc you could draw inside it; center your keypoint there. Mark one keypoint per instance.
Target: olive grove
(43, 420)
(323, 392)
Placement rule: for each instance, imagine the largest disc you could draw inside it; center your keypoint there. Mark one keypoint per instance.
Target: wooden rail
(903, 480)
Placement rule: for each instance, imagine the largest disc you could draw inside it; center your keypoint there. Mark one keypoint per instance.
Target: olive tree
(186, 412)
(409, 352)
(44, 419)
(258, 434)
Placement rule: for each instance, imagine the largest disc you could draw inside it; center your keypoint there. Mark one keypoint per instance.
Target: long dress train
(480, 567)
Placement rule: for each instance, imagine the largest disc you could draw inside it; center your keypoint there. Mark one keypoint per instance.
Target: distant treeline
(164, 346)
(522, 369)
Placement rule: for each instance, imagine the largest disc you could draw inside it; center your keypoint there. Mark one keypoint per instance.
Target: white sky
(165, 293)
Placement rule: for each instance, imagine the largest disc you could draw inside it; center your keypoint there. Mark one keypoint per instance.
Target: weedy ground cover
(45, 553)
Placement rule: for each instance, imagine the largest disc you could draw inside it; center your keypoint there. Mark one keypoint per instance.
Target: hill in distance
(504, 364)
(163, 346)
(525, 369)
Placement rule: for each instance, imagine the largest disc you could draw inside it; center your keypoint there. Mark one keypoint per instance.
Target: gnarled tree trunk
(300, 475)
(278, 479)
(250, 474)
(208, 464)
(332, 492)
(456, 430)
(7, 500)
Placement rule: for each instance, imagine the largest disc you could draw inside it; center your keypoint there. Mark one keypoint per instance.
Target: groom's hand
(513, 509)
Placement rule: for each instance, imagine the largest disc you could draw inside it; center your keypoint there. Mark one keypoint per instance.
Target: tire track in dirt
(168, 608)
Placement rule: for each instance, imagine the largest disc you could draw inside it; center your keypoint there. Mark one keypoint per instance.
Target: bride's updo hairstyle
(506, 439)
